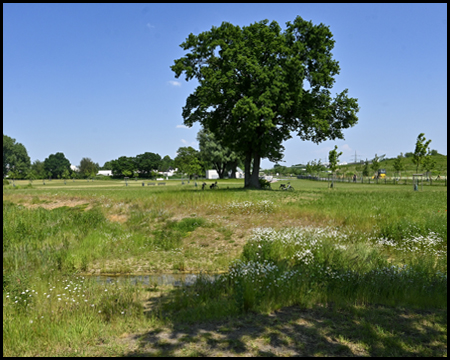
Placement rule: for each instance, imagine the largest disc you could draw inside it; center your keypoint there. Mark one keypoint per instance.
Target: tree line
(189, 161)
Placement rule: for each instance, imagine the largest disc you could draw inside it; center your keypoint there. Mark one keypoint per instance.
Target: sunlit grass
(353, 244)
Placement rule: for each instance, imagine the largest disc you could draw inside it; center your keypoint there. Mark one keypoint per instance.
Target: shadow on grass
(293, 331)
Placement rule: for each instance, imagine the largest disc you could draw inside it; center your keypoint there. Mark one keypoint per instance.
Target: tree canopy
(15, 157)
(88, 168)
(147, 162)
(188, 161)
(252, 92)
(166, 163)
(124, 165)
(213, 152)
(56, 164)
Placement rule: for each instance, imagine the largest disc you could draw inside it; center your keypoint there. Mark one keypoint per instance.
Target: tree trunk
(247, 164)
(220, 170)
(254, 178)
(233, 166)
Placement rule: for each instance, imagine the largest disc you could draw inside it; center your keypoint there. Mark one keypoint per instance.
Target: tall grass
(385, 246)
(308, 265)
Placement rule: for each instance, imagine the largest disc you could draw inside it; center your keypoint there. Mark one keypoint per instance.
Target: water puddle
(160, 279)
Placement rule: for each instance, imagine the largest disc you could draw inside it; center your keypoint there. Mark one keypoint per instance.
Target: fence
(369, 180)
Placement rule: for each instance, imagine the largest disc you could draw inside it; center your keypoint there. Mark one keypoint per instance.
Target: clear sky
(94, 80)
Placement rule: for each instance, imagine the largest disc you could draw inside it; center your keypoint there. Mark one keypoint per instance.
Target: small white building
(105, 172)
(212, 174)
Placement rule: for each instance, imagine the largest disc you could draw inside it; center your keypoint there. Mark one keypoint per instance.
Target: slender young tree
(375, 166)
(428, 163)
(333, 158)
(422, 147)
(398, 164)
(251, 92)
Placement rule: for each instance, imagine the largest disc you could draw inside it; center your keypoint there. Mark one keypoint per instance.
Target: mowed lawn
(355, 270)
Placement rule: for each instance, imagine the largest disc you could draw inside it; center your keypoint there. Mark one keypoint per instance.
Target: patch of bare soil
(58, 203)
(120, 218)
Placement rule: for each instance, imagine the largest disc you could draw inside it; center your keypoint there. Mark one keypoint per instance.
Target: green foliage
(214, 152)
(56, 164)
(123, 166)
(171, 235)
(39, 170)
(166, 164)
(429, 162)
(87, 168)
(366, 170)
(375, 164)
(147, 162)
(398, 163)
(188, 161)
(333, 158)
(264, 184)
(15, 158)
(253, 99)
(422, 147)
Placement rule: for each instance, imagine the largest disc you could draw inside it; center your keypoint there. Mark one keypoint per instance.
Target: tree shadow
(295, 331)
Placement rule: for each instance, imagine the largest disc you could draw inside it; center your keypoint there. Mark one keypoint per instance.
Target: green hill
(439, 169)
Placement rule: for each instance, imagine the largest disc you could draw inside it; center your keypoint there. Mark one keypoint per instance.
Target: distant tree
(188, 161)
(318, 167)
(366, 169)
(166, 164)
(428, 163)
(214, 152)
(87, 168)
(15, 158)
(55, 165)
(147, 162)
(123, 166)
(398, 164)
(409, 154)
(127, 173)
(310, 167)
(106, 166)
(66, 174)
(434, 152)
(333, 158)
(422, 147)
(38, 168)
(375, 165)
(31, 175)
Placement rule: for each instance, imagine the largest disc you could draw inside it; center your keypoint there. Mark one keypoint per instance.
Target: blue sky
(95, 80)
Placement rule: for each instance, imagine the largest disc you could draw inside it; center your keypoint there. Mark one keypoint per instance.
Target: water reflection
(160, 279)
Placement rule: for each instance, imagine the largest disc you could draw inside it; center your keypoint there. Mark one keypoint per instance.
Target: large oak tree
(258, 84)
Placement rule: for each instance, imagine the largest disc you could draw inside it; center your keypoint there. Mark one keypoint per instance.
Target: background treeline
(189, 161)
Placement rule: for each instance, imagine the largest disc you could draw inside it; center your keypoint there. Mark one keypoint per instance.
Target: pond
(160, 279)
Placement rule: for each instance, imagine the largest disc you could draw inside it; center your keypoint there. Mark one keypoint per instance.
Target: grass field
(358, 270)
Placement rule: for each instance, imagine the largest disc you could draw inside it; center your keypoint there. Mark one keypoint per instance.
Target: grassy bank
(353, 247)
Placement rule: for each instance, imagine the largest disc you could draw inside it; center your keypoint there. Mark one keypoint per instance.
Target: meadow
(357, 270)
